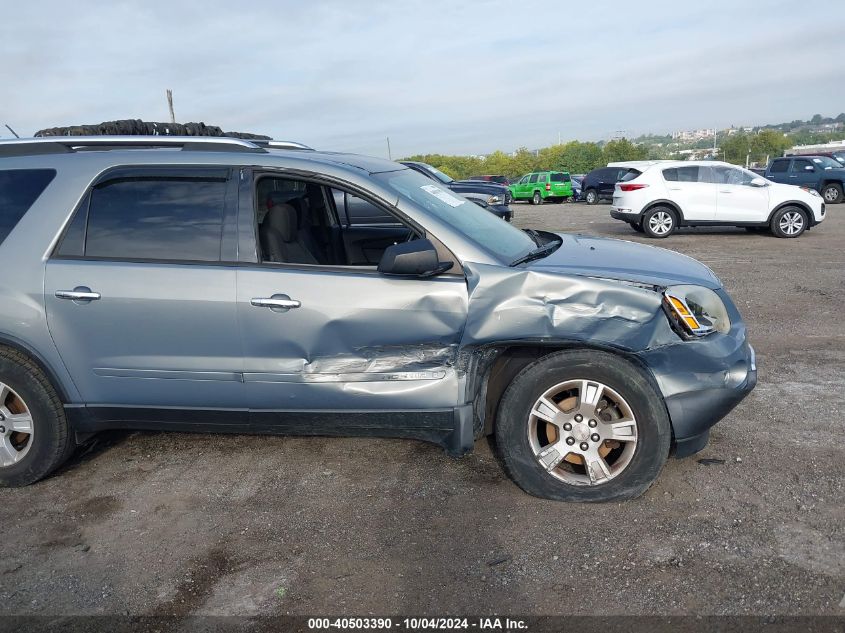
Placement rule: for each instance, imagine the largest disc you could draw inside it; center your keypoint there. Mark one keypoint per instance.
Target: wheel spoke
(545, 409)
(19, 422)
(590, 394)
(8, 454)
(621, 431)
(4, 393)
(597, 468)
(550, 457)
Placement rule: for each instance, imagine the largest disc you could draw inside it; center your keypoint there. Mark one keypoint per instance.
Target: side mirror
(759, 182)
(809, 168)
(417, 258)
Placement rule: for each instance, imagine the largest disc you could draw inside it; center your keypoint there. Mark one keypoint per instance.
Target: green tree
(623, 149)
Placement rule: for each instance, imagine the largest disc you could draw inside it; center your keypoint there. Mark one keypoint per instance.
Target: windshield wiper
(534, 235)
(537, 253)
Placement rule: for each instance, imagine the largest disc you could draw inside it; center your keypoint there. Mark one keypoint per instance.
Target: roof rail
(280, 144)
(63, 144)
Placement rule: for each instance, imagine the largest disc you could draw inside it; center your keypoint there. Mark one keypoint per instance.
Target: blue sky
(433, 76)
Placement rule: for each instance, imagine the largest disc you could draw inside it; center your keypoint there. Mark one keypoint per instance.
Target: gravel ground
(153, 523)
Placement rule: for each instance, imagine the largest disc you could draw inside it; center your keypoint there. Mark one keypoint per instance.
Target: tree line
(575, 157)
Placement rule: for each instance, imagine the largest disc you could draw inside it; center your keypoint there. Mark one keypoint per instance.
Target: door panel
(159, 335)
(356, 341)
(800, 175)
(737, 200)
(693, 189)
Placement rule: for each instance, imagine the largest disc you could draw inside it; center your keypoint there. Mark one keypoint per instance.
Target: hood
(481, 186)
(626, 261)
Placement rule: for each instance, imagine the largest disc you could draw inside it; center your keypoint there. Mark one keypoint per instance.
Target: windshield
(477, 225)
(826, 163)
(436, 173)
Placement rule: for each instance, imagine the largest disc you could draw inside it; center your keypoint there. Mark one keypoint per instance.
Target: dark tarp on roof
(137, 127)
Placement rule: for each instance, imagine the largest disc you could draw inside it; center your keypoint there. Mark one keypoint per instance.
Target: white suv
(670, 194)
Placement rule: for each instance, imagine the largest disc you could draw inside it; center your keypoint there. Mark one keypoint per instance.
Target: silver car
(251, 287)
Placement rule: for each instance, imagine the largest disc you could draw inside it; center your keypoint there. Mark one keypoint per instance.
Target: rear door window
(533, 178)
(19, 189)
(157, 219)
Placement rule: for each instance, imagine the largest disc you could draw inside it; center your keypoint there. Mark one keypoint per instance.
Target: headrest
(281, 197)
(282, 218)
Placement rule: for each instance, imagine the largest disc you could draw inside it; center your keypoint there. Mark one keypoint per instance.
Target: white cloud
(434, 76)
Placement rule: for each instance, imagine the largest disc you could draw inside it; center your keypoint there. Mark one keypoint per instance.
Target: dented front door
(322, 339)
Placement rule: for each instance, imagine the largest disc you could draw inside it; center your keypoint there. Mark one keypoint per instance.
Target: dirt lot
(149, 523)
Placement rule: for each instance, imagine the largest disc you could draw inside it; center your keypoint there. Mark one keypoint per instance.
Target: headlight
(812, 192)
(696, 311)
(494, 200)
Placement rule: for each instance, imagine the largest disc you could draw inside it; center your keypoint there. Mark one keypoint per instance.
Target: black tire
(655, 222)
(789, 222)
(536, 198)
(832, 193)
(51, 439)
(637, 227)
(591, 196)
(653, 425)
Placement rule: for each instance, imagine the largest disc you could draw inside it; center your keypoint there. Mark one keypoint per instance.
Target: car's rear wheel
(789, 222)
(832, 193)
(591, 196)
(536, 198)
(583, 425)
(34, 434)
(659, 222)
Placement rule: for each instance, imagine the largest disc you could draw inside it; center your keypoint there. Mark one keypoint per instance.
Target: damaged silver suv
(253, 287)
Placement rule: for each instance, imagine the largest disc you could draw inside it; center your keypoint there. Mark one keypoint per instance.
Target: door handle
(80, 293)
(277, 303)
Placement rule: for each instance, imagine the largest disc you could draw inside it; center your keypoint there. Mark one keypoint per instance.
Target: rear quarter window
(780, 166)
(19, 189)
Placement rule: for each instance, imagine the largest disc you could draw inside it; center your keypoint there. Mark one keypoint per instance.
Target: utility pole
(170, 105)
(389, 155)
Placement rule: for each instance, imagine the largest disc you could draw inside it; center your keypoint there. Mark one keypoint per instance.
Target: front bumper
(701, 382)
(502, 210)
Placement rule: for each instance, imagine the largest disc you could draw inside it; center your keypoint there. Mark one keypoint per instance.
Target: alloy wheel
(582, 432)
(16, 428)
(831, 194)
(660, 223)
(791, 223)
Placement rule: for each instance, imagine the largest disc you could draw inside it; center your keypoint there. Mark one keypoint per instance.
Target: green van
(542, 185)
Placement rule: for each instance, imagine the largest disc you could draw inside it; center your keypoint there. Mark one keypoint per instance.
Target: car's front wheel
(832, 193)
(583, 425)
(659, 222)
(789, 222)
(536, 198)
(34, 434)
(591, 196)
